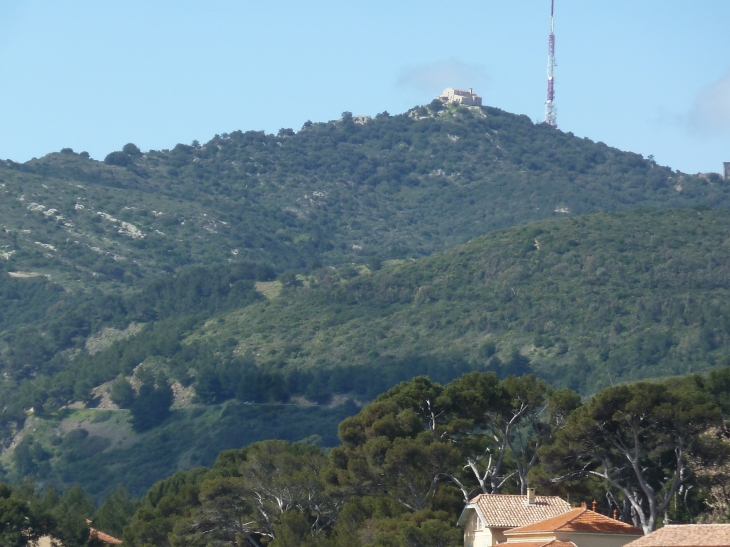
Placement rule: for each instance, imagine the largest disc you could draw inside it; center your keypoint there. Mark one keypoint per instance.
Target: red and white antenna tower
(551, 112)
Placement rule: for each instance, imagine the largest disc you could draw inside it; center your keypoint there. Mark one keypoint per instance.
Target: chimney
(595, 506)
(583, 505)
(615, 514)
(530, 496)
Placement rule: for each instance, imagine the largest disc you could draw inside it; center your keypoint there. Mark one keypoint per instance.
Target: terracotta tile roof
(542, 543)
(686, 535)
(577, 520)
(505, 511)
(103, 536)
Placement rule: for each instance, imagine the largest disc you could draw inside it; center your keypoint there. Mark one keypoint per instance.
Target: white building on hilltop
(460, 96)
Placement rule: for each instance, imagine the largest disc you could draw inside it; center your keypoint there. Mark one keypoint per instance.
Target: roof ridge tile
(582, 511)
(576, 520)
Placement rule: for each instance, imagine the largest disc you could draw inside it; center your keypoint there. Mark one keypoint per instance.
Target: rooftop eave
(464, 517)
(540, 533)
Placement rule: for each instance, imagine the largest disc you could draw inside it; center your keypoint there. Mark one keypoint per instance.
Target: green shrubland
(582, 303)
(325, 266)
(336, 192)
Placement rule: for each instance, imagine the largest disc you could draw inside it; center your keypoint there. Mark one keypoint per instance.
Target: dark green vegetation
(26, 515)
(582, 302)
(46, 364)
(99, 449)
(656, 452)
(168, 260)
(395, 186)
(412, 458)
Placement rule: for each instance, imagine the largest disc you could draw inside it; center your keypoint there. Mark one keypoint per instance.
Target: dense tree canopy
(413, 457)
(26, 515)
(641, 439)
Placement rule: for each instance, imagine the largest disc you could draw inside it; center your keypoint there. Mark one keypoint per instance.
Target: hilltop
(342, 191)
(90, 245)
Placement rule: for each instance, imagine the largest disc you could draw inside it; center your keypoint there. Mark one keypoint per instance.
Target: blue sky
(651, 76)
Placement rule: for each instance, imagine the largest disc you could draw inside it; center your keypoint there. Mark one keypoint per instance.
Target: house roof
(686, 535)
(103, 536)
(578, 520)
(507, 511)
(543, 543)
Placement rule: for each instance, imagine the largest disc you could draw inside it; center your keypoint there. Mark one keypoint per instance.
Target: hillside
(99, 450)
(90, 245)
(77, 232)
(394, 186)
(584, 301)
(184, 261)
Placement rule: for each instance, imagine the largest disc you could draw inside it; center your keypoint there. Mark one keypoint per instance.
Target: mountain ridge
(397, 186)
(182, 240)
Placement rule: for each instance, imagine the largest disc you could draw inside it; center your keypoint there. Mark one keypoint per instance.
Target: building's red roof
(507, 511)
(542, 543)
(686, 535)
(103, 536)
(577, 520)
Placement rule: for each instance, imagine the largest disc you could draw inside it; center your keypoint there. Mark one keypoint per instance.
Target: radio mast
(551, 113)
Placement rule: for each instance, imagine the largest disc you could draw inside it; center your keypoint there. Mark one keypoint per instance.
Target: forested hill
(393, 186)
(184, 261)
(583, 302)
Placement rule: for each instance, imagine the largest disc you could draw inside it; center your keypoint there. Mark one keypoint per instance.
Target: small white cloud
(710, 114)
(435, 77)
